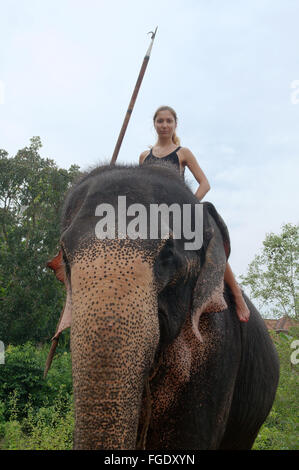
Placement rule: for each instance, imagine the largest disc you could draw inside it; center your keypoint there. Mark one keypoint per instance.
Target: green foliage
(21, 379)
(281, 429)
(48, 428)
(273, 276)
(35, 413)
(32, 190)
(2, 419)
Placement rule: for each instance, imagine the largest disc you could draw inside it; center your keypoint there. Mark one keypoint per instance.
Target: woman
(168, 148)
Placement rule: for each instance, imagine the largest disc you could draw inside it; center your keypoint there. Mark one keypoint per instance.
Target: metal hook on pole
(133, 98)
(153, 33)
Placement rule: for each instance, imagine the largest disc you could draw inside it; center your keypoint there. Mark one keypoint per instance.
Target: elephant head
(129, 299)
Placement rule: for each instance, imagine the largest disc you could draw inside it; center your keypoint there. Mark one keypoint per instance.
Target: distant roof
(282, 324)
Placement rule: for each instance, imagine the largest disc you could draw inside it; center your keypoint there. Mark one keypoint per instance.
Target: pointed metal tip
(153, 33)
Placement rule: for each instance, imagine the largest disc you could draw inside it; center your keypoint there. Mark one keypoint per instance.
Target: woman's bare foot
(242, 309)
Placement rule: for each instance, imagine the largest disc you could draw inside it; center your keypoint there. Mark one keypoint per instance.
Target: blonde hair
(175, 138)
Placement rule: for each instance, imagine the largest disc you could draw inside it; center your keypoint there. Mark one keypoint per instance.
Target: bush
(2, 419)
(48, 428)
(35, 413)
(21, 377)
(280, 430)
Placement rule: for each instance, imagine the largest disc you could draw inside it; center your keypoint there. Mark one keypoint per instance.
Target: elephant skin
(159, 357)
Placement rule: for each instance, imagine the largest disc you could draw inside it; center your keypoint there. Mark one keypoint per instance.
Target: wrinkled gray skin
(159, 358)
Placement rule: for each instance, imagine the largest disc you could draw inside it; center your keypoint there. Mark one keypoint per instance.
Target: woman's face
(165, 124)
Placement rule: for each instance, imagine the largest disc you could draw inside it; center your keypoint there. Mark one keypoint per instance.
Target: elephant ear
(56, 264)
(208, 291)
(209, 209)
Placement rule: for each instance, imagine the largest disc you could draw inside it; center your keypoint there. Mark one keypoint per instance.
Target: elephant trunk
(114, 336)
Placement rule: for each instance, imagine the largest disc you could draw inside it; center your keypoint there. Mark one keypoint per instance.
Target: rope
(141, 443)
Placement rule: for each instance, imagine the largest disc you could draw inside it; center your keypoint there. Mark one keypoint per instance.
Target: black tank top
(171, 158)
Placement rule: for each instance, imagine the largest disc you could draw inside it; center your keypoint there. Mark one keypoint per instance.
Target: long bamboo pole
(133, 99)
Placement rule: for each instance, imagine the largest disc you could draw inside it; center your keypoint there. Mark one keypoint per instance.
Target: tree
(32, 189)
(273, 275)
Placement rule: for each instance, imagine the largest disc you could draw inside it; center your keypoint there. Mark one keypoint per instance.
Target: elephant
(159, 357)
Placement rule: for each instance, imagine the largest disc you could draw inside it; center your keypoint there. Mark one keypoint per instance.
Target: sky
(230, 69)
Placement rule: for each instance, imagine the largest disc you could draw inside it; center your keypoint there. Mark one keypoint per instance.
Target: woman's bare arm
(142, 156)
(190, 161)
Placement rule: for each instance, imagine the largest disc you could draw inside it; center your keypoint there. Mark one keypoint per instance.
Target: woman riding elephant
(159, 357)
(168, 149)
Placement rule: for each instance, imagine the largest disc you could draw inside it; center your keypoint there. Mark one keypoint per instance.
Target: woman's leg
(241, 307)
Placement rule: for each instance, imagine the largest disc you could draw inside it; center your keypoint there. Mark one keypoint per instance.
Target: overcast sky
(68, 68)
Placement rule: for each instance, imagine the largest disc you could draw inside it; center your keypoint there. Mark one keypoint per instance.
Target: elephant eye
(166, 264)
(167, 252)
